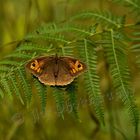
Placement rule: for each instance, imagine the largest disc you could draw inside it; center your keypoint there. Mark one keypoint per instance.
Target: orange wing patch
(77, 66)
(36, 66)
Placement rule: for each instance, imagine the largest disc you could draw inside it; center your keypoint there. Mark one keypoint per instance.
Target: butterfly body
(54, 70)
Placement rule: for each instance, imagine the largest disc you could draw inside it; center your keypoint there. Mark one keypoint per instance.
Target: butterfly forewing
(55, 70)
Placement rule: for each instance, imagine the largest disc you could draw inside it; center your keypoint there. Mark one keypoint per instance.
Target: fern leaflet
(73, 99)
(88, 54)
(121, 75)
(59, 99)
(42, 93)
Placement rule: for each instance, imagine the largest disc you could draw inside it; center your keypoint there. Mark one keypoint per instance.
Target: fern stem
(94, 90)
(125, 94)
(87, 62)
(116, 61)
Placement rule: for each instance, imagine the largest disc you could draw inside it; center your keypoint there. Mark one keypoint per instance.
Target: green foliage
(42, 94)
(136, 43)
(59, 99)
(89, 56)
(15, 86)
(25, 85)
(117, 59)
(105, 18)
(72, 102)
(6, 87)
(72, 39)
(134, 5)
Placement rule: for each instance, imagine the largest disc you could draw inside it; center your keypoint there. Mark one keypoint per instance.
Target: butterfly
(54, 70)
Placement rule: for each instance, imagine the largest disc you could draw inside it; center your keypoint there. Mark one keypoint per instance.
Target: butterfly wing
(76, 67)
(64, 76)
(47, 77)
(69, 68)
(43, 69)
(55, 70)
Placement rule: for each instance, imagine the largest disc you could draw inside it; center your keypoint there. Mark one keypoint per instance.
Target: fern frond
(42, 93)
(56, 38)
(72, 102)
(88, 54)
(9, 62)
(4, 82)
(34, 48)
(67, 50)
(19, 55)
(133, 4)
(120, 73)
(59, 99)
(55, 29)
(135, 39)
(80, 30)
(15, 85)
(25, 85)
(105, 18)
(49, 28)
(4, 69)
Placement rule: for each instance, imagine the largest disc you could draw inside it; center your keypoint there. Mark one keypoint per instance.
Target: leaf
(59, 99)
(72, 100)
(15, 85)
(103, 17)
(25, 85)
(42, 93)
(5, 84)
(134, 5)
(88, 54)
(121, 75)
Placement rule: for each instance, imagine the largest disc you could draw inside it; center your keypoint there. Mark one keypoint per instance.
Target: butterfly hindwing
(53, 70)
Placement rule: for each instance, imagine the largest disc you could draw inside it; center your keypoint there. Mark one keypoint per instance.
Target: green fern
(42, 94)
(116, 56)
(134, 5)
(59, 99)
(67, 50)
(25, 85)
(72, 100)
(4, 69)
(6, 87)
(105, 18)
(30, 47)
(135, 39)
(70, 39)
(88, 54)
(20, 55)
(67, 28)
(9, 62)
(15, 85)
(47, 37)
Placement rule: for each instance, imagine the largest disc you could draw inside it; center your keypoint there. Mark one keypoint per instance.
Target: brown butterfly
(54, 70)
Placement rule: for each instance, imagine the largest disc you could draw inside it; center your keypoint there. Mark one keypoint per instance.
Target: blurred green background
(18, 18)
